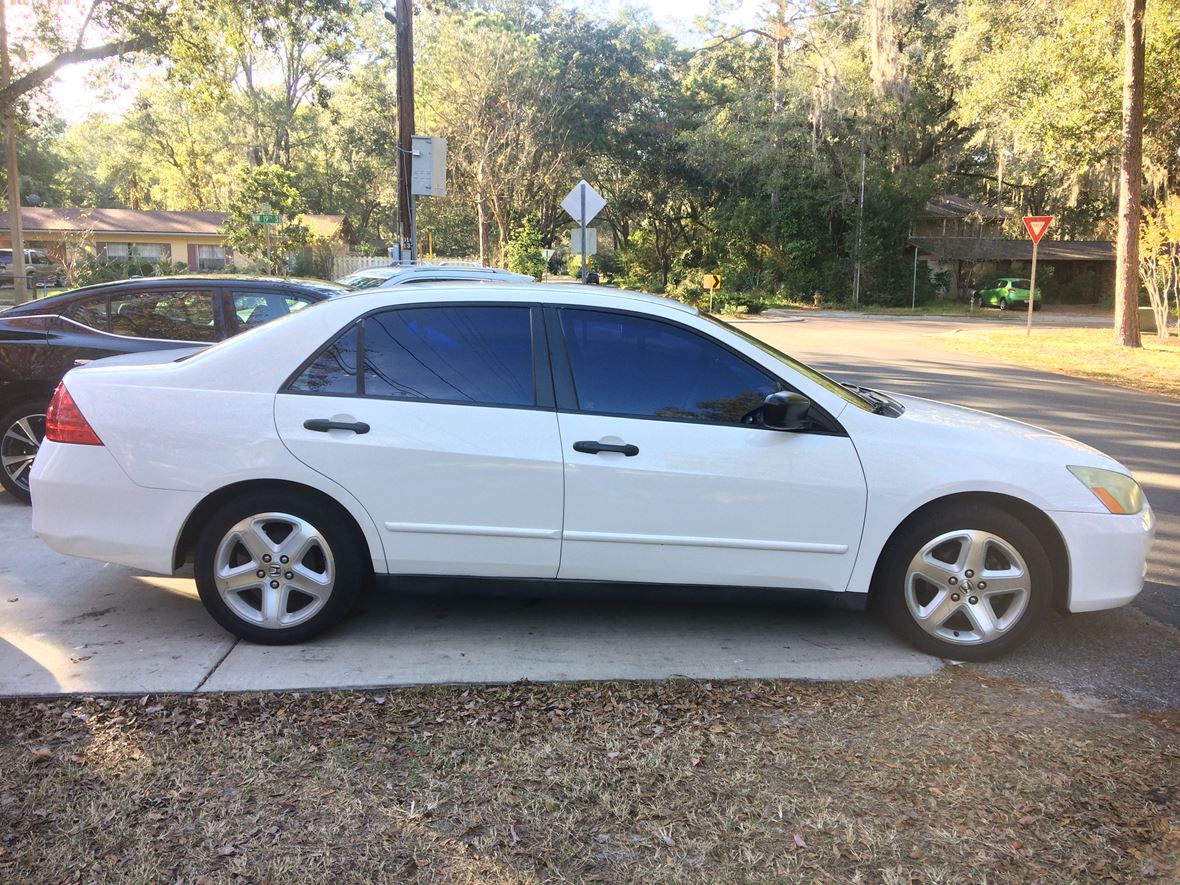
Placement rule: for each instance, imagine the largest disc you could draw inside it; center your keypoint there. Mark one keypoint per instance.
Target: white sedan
(553, 433)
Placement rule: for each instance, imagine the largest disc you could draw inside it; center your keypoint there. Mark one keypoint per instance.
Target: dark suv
(42, 340)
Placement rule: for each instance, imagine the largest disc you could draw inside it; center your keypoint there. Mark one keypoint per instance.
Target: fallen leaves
(676, 780)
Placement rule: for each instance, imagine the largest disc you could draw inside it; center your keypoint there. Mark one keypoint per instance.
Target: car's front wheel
(22, 429)
(278, 568)
(966, 583)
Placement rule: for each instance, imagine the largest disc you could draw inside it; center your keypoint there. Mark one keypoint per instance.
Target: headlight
(1117, 491)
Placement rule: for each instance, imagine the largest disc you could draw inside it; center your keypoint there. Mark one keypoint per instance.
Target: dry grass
(1084, 353)
(955, 778)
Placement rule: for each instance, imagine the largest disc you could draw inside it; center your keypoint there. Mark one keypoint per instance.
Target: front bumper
(84, 504)
(1107, 556)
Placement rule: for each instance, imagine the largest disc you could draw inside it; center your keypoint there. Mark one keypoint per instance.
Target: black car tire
(1006, 536)
(338, 555)
(30, 413)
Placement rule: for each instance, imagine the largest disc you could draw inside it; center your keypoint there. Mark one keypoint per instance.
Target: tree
(1126, 298)
(1159, 260)
(524, 249)
(267, 189)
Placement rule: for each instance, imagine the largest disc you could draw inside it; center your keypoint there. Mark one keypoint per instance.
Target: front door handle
(590, 447)
(323, 425)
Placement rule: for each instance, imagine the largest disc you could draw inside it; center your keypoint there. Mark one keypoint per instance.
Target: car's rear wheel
(277, 567)
(22, 429)
(967, 583)
(1003, 304)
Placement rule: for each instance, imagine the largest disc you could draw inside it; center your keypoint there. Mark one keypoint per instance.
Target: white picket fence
(343, 265)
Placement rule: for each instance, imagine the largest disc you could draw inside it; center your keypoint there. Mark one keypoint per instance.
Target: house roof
(140, 221)
(954, 206)
(1001, 249)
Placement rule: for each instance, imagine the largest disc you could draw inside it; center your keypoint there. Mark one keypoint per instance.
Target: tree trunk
(482, 224)
(1126, 298)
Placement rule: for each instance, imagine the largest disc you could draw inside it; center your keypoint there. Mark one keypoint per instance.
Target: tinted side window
(90, 312)
(334, 370)
(255, 308)
(463, 354)
(176, 315)
(628, 365)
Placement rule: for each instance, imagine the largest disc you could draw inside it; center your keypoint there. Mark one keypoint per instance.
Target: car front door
(666, 479)
(440, 420)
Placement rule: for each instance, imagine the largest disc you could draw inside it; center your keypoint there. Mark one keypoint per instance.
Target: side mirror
(786, 410)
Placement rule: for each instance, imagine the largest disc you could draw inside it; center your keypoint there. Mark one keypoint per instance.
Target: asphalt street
(1131, 654)
(69, 625)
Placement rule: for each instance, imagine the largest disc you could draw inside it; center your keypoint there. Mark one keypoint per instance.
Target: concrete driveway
(71, 625)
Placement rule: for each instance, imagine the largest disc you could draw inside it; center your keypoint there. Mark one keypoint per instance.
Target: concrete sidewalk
(74, 626)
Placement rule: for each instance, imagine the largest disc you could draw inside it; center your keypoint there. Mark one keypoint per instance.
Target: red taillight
(65, 423)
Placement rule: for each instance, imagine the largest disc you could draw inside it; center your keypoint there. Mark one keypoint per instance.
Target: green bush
(524, 249)
(100, 269)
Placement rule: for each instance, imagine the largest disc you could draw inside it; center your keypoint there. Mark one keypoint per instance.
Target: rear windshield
(1021, 284)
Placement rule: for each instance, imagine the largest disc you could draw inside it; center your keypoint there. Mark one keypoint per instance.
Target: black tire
(27, 415)
(1003, 304)
(340, 553)
(1007, 534)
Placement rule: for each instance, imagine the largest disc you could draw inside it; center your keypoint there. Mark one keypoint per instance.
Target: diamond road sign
(573, 202)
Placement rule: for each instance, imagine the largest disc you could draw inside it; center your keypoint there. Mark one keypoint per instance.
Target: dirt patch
(955, 778)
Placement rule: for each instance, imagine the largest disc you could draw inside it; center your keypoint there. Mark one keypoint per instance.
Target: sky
(77, 95)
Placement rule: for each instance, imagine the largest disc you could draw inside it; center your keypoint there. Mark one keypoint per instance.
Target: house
(193, 238)
(966, 239)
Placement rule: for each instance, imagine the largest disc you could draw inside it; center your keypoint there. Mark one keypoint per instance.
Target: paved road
(71, 625)
(1131, 653)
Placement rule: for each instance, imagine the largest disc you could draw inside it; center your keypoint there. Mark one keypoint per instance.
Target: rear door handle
(590, 447)
(323, 425)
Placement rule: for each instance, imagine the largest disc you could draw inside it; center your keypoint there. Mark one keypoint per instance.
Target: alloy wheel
(18, 447)
(967, 587)
(274, 570)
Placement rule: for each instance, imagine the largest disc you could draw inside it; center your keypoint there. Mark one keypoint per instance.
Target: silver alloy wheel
(967, 587)
(19, 446)
(274, 570)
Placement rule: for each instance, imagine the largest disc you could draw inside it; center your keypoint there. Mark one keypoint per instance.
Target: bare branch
(39, 75)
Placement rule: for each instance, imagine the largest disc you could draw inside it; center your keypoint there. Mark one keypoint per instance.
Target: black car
(42, 340)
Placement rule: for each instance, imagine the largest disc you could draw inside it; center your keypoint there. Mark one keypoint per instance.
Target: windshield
(834, 387)
(1021, 284)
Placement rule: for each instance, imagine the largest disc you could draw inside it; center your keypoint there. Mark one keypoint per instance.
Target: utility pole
(17, 267)
(860, 221)
(402, 19)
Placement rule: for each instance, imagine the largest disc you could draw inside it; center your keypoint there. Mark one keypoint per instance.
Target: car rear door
(664, 480)
(440, 419)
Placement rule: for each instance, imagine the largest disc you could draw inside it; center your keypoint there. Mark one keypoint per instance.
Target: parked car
(40, 269)
(1008, 292)
(552, 432)
(41, 340)
(380, 277)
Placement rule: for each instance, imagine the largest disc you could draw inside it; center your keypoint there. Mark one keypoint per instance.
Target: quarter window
(90, 312)
(334, 370)
(629, 365)
(255, 308)
(477, 355)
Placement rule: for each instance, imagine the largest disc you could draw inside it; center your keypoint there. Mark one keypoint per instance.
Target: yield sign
(573, 202)
(1036, 225)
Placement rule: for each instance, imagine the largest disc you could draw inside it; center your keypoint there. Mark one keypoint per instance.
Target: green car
(1007, 292)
